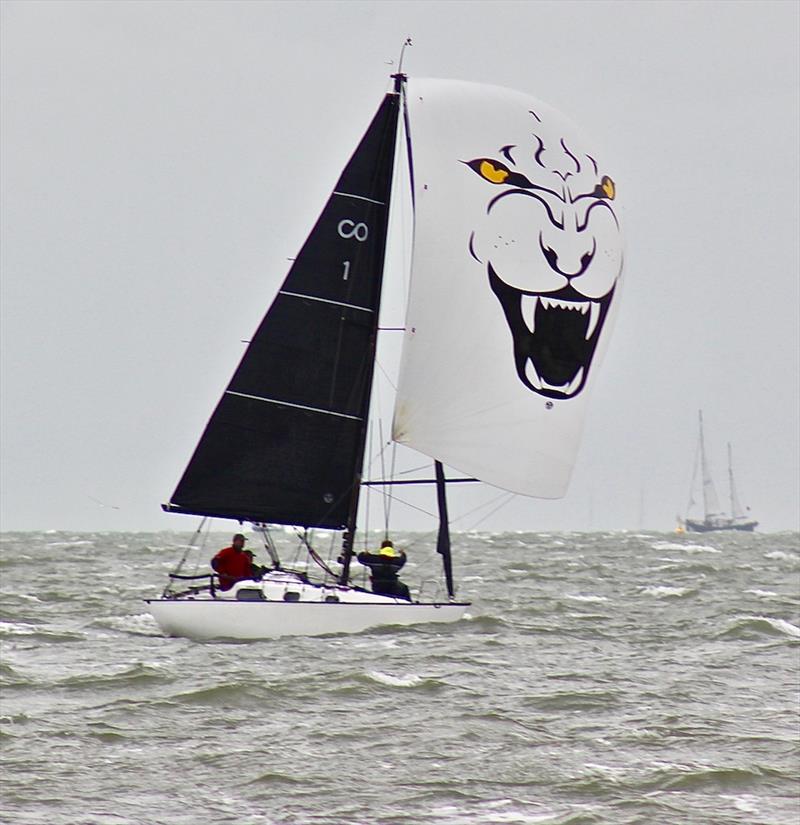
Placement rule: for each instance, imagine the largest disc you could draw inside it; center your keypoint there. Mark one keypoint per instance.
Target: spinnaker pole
(443, 540)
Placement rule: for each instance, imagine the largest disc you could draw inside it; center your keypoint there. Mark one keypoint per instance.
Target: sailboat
(517, 257)
(713, 517)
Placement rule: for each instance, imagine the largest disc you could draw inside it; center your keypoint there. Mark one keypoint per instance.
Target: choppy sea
(599, 678)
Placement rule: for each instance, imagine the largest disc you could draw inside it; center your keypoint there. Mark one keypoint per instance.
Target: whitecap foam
(782, 555)
(667, 545)
(686, 548)
(762, 594)
(76, 543)
(18, 628)
(779, 624)
(578, 597)
(412, 680)
(142, 624)
(700, 548)
(663, 591)
(497, 812)
(745, 803)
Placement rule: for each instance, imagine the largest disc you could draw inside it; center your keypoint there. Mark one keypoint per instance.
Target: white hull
(242, 613)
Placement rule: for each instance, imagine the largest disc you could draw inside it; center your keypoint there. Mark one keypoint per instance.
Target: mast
(703, 466)
(737, 511)
(730, 482)
(348, 537)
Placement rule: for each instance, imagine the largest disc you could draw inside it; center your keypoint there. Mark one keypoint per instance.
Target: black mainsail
(285, 444)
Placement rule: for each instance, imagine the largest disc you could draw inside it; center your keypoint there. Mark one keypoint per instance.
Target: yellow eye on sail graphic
(607, 185)
(498, 173)
(492, 172)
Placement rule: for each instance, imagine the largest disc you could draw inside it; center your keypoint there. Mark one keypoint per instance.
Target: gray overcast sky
(162, 160)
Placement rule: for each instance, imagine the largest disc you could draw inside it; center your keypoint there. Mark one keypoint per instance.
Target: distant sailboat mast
(710, 500)
(737, 511)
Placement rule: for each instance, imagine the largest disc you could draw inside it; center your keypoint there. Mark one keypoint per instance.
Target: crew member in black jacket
(384, 567)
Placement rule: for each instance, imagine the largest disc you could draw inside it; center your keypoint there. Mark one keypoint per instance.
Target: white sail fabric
(515, 270)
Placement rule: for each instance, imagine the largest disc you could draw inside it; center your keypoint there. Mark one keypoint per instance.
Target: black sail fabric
(286, 441)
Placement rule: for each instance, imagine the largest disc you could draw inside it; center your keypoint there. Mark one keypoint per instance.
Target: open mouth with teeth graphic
(555, 335)
(552, 253)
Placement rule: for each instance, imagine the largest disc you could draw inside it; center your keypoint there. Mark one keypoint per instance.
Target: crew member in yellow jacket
(384, 567)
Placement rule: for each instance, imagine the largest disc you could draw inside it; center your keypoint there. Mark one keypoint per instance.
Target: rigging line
(314, 555)
(391, 477)
(385, 375)
(383, 471)
(412, 506)
(192, 544)
(413, 470)
(488, 503)
(500, 506)
(189, 547)
(421, 538)
(369, 469)
(269, 544)
(430, 534)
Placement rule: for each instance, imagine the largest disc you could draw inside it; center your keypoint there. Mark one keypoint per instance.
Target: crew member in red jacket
(233, 564)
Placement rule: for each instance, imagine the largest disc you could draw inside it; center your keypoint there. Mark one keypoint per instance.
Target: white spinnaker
(465, 396)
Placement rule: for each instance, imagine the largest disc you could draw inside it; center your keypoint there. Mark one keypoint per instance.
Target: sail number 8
(349, 229)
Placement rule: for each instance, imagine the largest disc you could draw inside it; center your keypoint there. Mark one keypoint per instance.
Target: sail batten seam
(324, 300)
(359, 197)
(289, 404)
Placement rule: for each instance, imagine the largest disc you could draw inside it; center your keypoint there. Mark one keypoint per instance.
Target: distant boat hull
(710, 527)
(284, 606)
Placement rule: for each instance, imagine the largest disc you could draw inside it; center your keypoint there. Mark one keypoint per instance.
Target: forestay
(516, 263)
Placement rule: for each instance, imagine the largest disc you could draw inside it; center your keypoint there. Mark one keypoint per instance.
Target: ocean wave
(104, 732)
(10, 677)
(749, 627)
(694, 777)
(486, 623)
(597, 617)
(685, 548)
(141, 624)
(782, 555)
(275, 778)
(409, 681)
(690, 565)
(511, 812)
(699, 548)
(231, 693)
(747, 803)
(74, 543)
(43, 633)
(7, 596)
(574, 700)
(667, 545)
(139, 674)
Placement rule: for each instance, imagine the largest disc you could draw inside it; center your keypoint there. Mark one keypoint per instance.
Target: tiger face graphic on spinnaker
(551, 245)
